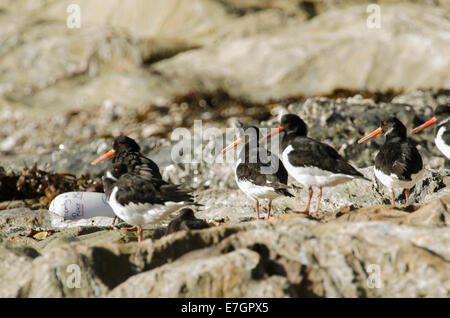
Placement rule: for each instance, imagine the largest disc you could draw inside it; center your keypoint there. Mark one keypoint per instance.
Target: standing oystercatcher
(140, 200)
(310, 162)
(398, 164)
(125, 150)
(442, 119)
(258, 178)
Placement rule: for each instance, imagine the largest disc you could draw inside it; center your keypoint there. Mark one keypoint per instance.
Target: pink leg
(392, 197)
(269, 207)
(133, 228)
(310, 194)
(257, 210)
(319, 197)
(407, 196)
(139, 232)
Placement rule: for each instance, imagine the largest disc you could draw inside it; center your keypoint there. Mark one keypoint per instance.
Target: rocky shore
(71, 91)
(289, 255)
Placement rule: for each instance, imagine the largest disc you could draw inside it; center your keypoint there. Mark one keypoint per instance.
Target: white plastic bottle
(81, 205)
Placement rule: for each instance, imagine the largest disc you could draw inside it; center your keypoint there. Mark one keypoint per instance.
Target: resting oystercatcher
(140, 200)
(398, 164)
(256, 177)
(310, 162)
(186, 221)
(442, 119)
(125, 150)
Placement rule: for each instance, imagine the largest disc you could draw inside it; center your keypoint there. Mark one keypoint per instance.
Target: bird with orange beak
(253, 172)
(442, 119)
(398, 164)
(310, 162)
(140, 200)
(126, 151)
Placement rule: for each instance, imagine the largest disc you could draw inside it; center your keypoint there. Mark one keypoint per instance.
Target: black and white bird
(398, 164)
(259, 173)
(442, 119)
(139, 200)
(186, 220)
(125, 150)
(310, 162)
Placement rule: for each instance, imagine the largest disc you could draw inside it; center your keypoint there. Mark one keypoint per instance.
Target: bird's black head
(442, 113)
(121, 144)
(293, 124)
(116, 170)
(392, 127)
(441, 117)
(187, 213)
(249, 133)
(125, 143)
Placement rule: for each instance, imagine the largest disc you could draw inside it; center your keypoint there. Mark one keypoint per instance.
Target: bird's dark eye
(119, 144)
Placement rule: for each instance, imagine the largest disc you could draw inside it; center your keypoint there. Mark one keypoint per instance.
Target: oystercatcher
(442, 119)
(398, 164)
(125, 150)
(256, 176)
(140, 200)
(310, 162)
(186, 221)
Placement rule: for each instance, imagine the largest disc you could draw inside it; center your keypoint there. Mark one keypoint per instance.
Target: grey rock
(22, 220)
(309, 8)
(198, 278)
(433, 214)
(111, 77)
(66, 271)
(346, 119)
(261, 56)
(320, 56)
(288, 256)
(306, 259)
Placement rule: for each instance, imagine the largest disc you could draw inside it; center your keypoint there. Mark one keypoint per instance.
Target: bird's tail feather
(284, 192)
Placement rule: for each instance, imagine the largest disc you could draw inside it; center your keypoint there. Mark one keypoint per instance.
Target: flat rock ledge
(375, 251)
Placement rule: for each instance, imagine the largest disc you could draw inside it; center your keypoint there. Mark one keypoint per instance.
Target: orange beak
(374, 133)
(231, 146)
(424, 125)
(273, 133)
(103, 157)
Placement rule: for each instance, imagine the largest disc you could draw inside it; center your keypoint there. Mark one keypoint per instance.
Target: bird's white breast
(110, 176)
(440, 144)
(143, 213)
(392, 181)
(313, 176)
(252, 190)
